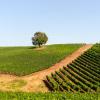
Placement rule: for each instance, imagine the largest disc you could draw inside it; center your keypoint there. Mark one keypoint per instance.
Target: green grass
(48, 96)
(26, 60)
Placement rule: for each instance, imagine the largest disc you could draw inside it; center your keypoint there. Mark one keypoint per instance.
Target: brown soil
(41, 48)
(35, 81)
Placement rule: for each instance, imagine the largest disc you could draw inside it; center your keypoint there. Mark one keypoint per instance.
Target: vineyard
(79, 80)
(82, 74)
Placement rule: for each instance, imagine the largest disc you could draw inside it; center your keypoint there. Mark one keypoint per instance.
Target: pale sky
(64, 21)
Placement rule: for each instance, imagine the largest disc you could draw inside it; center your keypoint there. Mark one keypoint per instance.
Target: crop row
(83, 74)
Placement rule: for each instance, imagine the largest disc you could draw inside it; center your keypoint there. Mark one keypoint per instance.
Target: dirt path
(35, 81)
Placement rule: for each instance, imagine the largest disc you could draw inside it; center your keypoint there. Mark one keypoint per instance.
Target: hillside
(34, 82)
(83, 74)
(26, 60)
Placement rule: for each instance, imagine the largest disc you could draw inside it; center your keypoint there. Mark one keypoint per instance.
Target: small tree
(39, 38)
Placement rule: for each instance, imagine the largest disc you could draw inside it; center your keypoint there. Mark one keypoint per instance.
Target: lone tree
(39, 39)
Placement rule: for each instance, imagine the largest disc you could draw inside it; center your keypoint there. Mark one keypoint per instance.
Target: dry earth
(34, 82)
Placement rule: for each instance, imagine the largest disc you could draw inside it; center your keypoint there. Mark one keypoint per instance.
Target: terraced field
(83, 74)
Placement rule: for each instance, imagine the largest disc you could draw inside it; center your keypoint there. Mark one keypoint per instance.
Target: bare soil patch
(41, 48)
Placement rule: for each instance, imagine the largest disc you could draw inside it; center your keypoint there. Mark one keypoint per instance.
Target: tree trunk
(39, 45)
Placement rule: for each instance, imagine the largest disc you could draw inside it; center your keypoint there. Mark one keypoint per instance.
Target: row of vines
(82, 75)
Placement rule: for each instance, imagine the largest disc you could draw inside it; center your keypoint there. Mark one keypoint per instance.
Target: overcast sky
(64, 21)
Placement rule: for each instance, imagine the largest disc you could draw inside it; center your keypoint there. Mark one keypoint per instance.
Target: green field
(49, 96)
(26, 60)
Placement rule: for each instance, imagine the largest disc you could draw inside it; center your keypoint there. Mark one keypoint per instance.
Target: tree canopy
(39, 38)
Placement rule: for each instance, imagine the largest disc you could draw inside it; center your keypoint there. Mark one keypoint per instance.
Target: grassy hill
(26, 60)
(83, 74)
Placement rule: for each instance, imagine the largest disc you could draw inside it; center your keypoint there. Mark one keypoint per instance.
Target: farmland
(78, 80)
(83, 74)
(26, 60)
